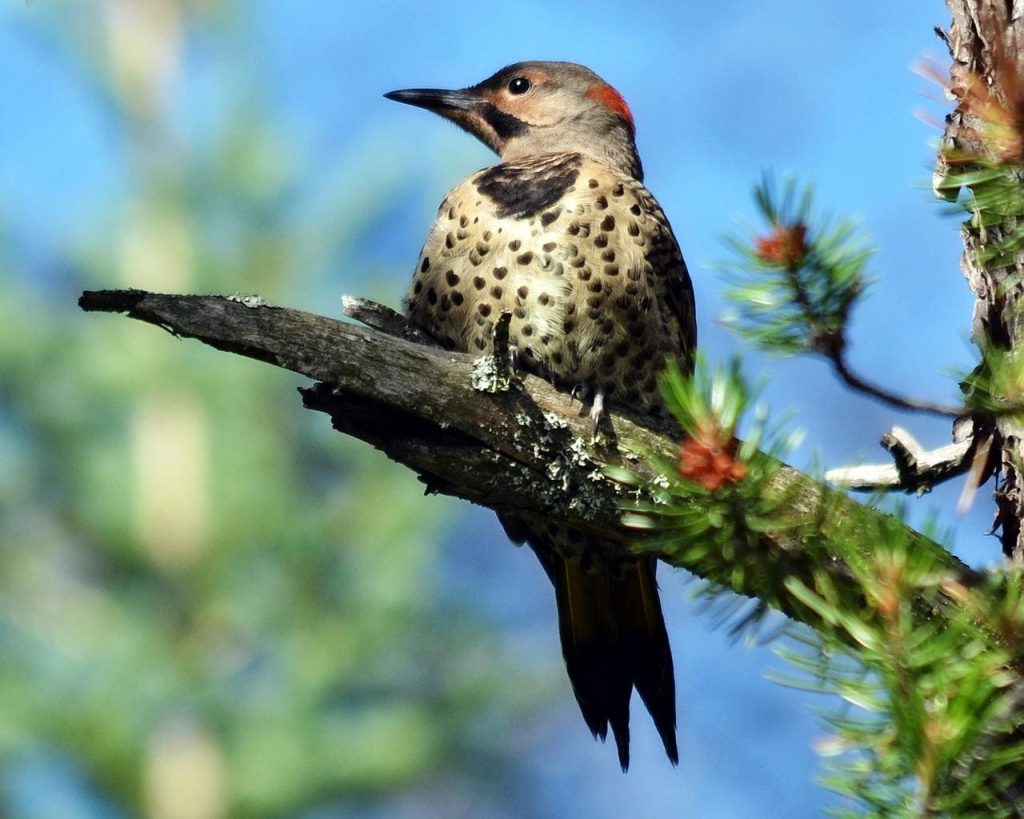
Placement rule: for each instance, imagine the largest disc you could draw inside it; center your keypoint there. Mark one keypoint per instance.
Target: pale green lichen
(249, 300)
(489, 377)
(554, 420)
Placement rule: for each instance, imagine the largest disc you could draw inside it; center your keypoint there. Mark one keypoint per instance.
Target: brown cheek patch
(506, 104)
(612, 100)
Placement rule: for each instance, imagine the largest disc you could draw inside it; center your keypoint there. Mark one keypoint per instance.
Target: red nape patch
(612, 100)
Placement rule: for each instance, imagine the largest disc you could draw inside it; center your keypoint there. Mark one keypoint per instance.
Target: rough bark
(986, 42)
(526, 447)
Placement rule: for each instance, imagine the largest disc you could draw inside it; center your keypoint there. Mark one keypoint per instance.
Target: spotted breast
(581, 256)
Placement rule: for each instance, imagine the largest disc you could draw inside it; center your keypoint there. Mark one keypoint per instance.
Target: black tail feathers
(613, 639)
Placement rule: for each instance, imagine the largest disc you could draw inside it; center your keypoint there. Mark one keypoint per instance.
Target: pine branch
(837, 355)
(793, 288)
(525, 448)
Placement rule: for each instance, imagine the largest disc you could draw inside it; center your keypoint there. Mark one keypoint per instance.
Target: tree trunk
(986, 42)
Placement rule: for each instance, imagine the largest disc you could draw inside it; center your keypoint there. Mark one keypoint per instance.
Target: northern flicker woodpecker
(563, 235)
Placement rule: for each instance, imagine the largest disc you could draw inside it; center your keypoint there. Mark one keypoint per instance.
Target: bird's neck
(622, 158)
(614, 148)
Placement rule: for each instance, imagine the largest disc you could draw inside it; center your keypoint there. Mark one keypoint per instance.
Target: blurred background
(213, 606)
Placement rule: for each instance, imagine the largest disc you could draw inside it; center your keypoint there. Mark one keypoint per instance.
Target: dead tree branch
(526, 448)
(914, 469)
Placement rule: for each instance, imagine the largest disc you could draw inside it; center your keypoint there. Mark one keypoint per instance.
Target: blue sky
(720, 93)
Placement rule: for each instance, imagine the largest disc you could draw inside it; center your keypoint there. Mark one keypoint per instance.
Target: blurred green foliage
(209, 601)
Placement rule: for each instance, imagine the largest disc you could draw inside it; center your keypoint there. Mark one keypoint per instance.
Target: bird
(562, 234)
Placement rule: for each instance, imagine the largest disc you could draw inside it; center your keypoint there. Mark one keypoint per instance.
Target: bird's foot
(597, 411)
(493, 372)
(504, 353)
(513, 359)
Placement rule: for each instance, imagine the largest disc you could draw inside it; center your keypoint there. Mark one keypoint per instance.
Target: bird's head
(535, 108)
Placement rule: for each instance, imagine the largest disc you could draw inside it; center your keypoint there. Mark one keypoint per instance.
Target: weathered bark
(524, 448)
(986, 42)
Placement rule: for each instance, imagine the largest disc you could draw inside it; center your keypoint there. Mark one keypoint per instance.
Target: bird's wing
(672, 284)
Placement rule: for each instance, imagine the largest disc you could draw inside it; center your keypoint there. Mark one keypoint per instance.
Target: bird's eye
(519, 85)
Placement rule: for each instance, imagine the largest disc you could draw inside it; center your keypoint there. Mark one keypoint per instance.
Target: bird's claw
(597, 411)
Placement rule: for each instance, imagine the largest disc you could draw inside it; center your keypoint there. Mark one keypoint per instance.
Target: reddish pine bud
(711, 462)
(785, 246)
(998, 106)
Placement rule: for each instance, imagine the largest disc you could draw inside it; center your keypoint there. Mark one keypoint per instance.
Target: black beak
(436, 100)
(467, 109)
